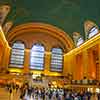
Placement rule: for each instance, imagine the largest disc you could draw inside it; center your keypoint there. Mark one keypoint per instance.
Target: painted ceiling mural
(68, 15)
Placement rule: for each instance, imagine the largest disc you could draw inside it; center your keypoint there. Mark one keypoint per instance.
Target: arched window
(17, 55)
(90, 28)
(78, 40)
(93, 31)
(37, 57)
(56, 59)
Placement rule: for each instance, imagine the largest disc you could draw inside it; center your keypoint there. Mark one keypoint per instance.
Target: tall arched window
(37, 57)
(17, 55)
(57, 59)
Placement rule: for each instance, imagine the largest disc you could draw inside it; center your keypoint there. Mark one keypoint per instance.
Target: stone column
(79, 67)
(74, 67)
(1, 55)
(67, 65)
(98, 64)
(5, 58)
(47, 63)
(92, 65)
(85, 63)
(26, 61)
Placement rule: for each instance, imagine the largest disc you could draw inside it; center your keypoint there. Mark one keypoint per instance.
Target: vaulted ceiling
(68, 15)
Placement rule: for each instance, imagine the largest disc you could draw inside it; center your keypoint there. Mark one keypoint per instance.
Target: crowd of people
(40, 93)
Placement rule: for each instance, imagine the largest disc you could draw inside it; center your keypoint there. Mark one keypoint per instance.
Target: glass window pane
(56, 59)
(17, 55)
(93, 32)
(18, 45)
(41, 54)
(17, 50)
(37, 57)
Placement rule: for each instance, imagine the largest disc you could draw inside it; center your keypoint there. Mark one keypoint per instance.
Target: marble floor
(5, 95)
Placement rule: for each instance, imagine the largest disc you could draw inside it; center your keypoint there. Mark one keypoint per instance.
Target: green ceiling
(68, 15)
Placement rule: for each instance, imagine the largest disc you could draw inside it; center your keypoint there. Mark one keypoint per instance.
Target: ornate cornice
(43, 28)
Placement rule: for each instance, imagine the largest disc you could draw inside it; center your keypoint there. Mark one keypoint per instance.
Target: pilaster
(47, 63)
(26, 61)
(85, 63)
(98, 64)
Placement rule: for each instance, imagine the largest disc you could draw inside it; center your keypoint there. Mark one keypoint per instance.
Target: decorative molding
(4, 10)
(78, 39)
(7, 26)
(88, 25)
(44, 29)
